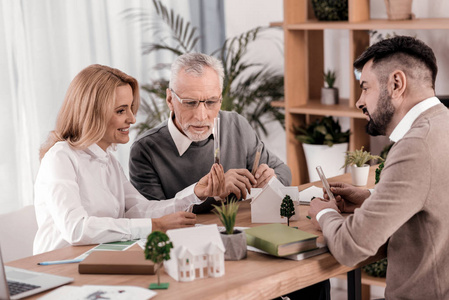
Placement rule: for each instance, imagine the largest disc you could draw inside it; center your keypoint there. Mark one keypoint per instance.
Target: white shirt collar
(182, 142)
(406, 123)
(99, 153)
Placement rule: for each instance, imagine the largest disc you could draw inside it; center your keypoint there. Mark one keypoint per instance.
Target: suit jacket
(409, 209)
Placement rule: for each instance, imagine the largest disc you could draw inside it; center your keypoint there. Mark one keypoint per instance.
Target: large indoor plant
(234, 240)
(324, 144)
(249, 87)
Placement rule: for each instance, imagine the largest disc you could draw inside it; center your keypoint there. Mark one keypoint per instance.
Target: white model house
(266, 202)
(198, 253)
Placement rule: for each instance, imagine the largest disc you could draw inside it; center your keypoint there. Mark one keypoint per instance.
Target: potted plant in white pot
(329, 94)
(324, 144)
(234, 240)
(357, 160)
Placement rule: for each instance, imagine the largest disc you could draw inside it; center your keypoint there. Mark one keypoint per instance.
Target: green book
(279, 239)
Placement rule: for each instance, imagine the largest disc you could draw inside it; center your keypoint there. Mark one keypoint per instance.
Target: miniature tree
(287, 208)
(157, 249)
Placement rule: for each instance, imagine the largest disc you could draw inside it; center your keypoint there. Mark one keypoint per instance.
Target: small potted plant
(157, 249)
(357, 160)
(234, 240)
(324, 144)
(329, 93)
(287, 208)
(330, 10)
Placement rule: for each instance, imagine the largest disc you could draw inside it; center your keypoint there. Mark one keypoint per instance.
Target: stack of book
(283, 241)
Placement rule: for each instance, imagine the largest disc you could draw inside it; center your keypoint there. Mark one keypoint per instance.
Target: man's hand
(347, 196)
(238, 181)
(263, 174)
(212, 184)
(179, 219)
(318, 204)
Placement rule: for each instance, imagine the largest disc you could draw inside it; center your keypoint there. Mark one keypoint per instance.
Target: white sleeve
(61, 214)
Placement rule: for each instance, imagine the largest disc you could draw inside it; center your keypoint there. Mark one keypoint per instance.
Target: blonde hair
(88, 106)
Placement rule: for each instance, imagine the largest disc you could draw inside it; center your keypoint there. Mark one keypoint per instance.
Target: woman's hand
(179, 219)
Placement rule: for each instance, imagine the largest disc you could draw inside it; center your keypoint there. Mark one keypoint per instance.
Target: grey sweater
(158, 172)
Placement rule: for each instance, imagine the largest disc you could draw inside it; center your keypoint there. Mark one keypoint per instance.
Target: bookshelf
(304, 64)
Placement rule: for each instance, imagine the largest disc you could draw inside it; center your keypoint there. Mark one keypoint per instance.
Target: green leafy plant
(227, 214)
(287, 208)
(329, 78)
(359, 157)
(378, 171)
(326, 131)
(330, 10)
(157, 249)
(248, 87)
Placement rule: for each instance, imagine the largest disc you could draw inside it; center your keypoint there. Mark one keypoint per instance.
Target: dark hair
(405, 49)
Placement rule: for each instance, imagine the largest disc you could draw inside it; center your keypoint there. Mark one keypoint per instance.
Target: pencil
(257, 159)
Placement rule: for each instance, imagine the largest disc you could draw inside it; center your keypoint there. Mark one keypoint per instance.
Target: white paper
(111, 292)
(305, 196)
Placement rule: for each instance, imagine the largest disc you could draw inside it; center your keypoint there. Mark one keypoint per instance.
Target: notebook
(18, 283)
(279, 239)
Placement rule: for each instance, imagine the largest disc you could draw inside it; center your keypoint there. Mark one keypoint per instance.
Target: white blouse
(83, 197)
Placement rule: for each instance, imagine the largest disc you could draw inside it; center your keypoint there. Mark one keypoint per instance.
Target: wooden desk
(258, 276)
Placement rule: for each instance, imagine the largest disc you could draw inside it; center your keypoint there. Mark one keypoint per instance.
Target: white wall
(241, 16)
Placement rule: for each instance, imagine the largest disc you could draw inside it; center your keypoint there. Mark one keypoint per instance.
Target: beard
(379, 120)
(195, 135)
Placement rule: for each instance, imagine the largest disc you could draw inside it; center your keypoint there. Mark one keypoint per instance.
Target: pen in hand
(325, 183)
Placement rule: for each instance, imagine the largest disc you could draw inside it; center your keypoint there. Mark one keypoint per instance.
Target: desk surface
(258, 276)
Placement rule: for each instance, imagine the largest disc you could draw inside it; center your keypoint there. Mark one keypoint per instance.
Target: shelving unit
(304, 64)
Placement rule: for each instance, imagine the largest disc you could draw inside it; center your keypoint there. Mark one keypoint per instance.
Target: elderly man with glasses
(178, 152)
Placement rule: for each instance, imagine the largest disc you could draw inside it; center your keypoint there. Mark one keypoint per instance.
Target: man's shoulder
(153, 133)
(231, 117)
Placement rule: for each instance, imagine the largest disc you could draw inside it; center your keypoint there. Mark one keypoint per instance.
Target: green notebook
(279, 239)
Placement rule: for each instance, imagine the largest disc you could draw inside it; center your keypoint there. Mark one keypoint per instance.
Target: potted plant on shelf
(329, 94)
(399, 9)
(357, 160)
(324, 144)
(157, 249)
(234, 240)
(330, 10)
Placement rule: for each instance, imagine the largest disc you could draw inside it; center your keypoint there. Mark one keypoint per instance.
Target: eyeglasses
(211, 103)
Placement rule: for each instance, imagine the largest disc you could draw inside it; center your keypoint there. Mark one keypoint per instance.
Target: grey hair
(194, 63)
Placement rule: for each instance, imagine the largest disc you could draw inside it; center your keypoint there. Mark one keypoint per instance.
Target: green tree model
(157, 249)
(287, 208)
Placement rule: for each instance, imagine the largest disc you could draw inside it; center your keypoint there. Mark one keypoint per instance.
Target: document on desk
(305, 196)
(87, 292)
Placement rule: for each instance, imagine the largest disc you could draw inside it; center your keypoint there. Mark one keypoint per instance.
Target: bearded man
(409, 207)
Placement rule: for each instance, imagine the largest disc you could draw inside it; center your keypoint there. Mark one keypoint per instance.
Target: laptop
(18, 283)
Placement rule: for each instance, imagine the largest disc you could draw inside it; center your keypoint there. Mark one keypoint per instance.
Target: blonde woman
(81, 193)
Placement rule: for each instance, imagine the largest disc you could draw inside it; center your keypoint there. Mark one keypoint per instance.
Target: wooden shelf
(314, 107)
(370, 24)
(304, 65)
